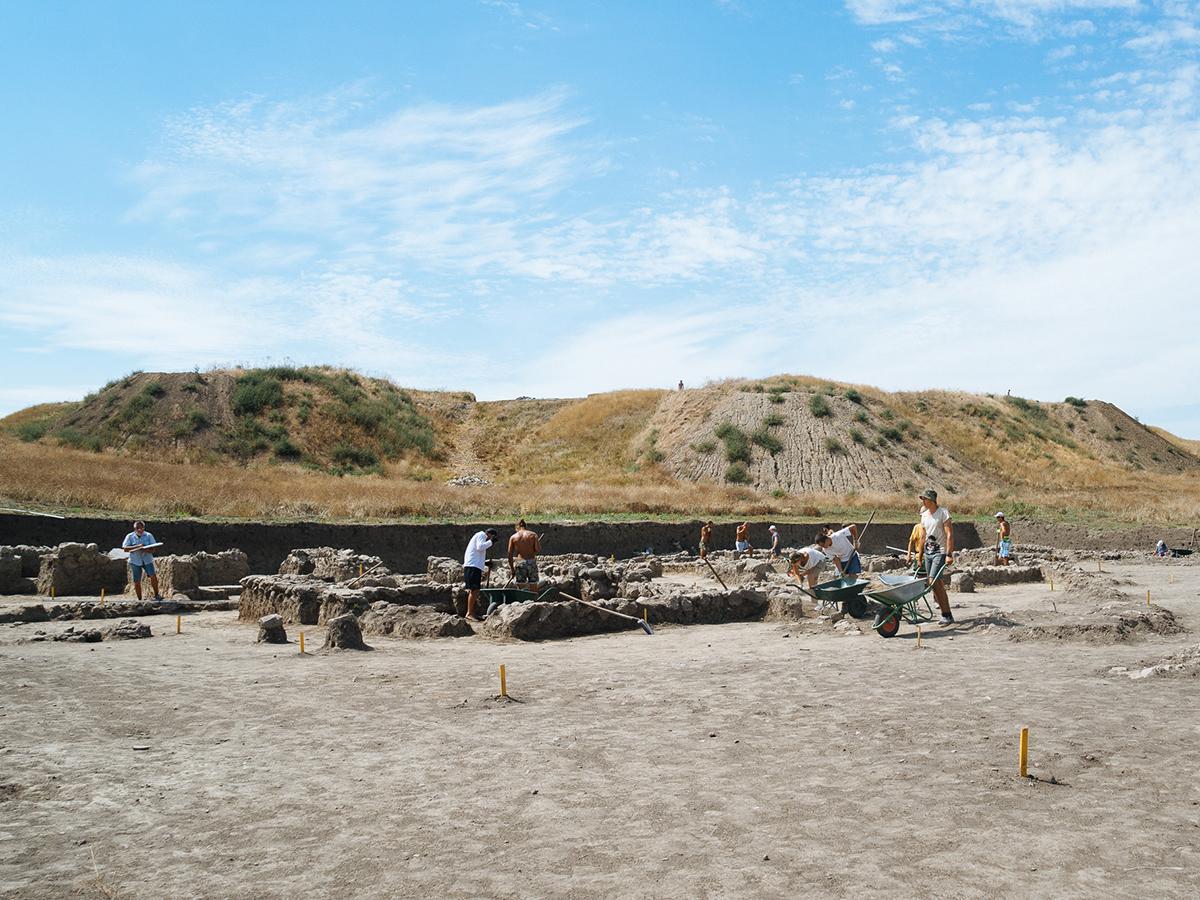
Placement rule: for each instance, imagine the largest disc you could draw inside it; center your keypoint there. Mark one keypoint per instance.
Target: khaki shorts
(526, 572)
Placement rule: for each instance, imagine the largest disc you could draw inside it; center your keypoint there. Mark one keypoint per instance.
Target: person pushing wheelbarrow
(939, 549)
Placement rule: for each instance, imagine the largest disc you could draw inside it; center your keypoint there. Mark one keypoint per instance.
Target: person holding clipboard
(140, 546)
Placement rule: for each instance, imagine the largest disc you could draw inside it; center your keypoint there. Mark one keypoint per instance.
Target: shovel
(645, 626)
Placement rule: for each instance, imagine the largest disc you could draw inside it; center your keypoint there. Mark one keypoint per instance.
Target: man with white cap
(1003, 540)
(774, 554)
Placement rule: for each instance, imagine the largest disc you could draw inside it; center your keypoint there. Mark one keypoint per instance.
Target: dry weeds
(62, 479)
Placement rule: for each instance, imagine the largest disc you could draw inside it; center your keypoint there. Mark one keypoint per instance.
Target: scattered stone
(413, 622)
(343, 633)
(329, 564)
(468, 481)
(127, 629)
(270, 630)
(963, 582)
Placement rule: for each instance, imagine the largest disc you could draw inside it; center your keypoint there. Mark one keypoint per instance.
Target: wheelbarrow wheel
(887, 624)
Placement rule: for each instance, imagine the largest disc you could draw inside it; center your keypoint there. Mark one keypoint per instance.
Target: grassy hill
(285, 436)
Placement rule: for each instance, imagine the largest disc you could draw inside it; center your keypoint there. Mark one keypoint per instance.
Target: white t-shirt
(934, 524)
(476, 554)
(815, 559)
(843, 544)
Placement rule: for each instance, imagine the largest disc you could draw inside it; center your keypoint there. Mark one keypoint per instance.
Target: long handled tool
(714, 571)
(858, 543)
(363, 575)
(645, 626)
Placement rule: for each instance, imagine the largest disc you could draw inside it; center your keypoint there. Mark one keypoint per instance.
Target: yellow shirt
(916, 541)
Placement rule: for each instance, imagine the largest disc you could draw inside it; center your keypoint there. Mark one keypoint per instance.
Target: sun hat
(999, 516)
(928, 494)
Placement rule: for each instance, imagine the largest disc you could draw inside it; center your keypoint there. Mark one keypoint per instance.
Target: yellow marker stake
(360, 570)
(1024, 752)
(645, 615)
(53, 592)
(178, 624)
(503, 682)
(918, 637)
(101, 596)
(302, 642)
(1147, 597)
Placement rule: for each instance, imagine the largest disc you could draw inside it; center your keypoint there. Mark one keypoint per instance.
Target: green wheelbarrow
(499, 596)
(846, 592)
(902, 598)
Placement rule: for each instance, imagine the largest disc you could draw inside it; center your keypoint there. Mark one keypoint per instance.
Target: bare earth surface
(755, 760)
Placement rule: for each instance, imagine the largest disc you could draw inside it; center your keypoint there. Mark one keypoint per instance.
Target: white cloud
(954, 14)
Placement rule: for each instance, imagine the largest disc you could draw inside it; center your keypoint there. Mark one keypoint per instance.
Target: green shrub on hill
(737, 443)
(253, 392)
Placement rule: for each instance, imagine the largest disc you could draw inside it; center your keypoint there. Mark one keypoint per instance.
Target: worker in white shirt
(474, 562)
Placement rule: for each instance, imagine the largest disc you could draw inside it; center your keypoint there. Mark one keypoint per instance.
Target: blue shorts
(742, 545)
(138, 569)
(852, 566)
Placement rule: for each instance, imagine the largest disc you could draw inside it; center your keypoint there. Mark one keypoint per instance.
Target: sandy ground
(732, 760)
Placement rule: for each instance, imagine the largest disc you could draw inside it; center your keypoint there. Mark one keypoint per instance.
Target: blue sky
(555, 198)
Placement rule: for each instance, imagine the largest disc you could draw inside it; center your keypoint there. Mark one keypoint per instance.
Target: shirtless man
(1003, 540)
(525, 545)
(705, 539)
(741, 540)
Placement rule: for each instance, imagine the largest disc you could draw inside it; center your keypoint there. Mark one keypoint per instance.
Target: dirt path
(716, 761)
(464, 459)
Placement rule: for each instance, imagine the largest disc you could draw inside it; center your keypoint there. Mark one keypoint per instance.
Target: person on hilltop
(1003, 540)
(705, 539)
(524, 544)
(474, 562)
(141, 558)
(939, 549)
(741, 540)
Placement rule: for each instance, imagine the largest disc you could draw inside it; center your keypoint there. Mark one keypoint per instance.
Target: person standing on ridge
(705, 539)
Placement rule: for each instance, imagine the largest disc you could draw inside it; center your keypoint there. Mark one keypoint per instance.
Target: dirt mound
(1184, 662)
(1110, 624)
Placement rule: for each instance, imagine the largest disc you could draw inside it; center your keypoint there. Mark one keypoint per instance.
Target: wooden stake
(503, 683)
(645, 615)
(1051, 582)
(360, 570)
(1147, 596)
(302, 642)
(179, 624)
(1024, 752)
(101, 596)
(918, 637)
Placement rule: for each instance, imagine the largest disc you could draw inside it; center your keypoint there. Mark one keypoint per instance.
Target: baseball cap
(999, 516)
(928, 494)
(772, 528)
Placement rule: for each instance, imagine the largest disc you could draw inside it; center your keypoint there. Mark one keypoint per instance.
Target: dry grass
(61, 479)
(1192, 447)
(64, 479)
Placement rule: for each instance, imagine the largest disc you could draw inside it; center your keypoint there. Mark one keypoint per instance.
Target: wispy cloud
(956, 14)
